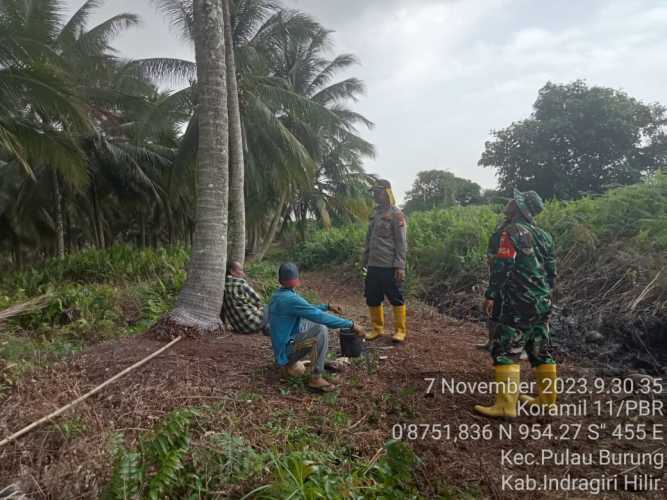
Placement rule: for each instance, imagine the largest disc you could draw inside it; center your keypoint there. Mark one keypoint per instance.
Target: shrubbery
(447, 248)
(119, 263)
(91, 296)
(636, 214)
(450, 245)
(335, 246)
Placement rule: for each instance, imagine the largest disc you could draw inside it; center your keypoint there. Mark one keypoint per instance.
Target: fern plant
(158, 468)
(308, 474)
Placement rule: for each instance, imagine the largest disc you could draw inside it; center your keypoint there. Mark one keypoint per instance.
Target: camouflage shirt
(522, 268)
(386, 240)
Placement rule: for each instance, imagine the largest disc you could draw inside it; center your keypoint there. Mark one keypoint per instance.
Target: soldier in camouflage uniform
(522, 277)
(384, 259)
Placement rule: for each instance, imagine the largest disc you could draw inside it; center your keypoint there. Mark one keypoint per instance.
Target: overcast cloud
(441, 74)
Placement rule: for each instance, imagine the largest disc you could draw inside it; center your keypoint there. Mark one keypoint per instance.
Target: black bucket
(350, 344)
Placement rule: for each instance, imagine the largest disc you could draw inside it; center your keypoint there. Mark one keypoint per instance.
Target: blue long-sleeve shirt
(285, 312)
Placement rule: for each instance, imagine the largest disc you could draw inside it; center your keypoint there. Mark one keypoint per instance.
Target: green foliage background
(447, 247)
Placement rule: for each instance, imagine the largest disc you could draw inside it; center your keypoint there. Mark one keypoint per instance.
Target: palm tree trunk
(325, 217)
(60, 224)
(142, 229)
(253, 246)
(273, 229)
(68, 231)
(18, 254)
(93, 224)
(200, 301)
(97, 217)
(237, 228)
(170, 223)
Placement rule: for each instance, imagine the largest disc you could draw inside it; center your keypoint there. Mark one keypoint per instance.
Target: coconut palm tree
(78, 61)
(92, 153)
(339, 183)
(237, 229)
(293, 117)
(42, 114)
(200, 300)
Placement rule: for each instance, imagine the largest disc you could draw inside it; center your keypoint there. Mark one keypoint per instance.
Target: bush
(444, 244)
(119, 263)
(447, 248)
(93, 295)
(159, 467)
(636, 214)
(331, 247)
(450, 245)
(82, 304)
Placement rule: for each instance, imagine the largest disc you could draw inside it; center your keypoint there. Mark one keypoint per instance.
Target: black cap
(288, 274)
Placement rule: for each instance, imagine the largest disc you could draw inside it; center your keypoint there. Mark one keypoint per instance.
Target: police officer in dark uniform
(384, 258)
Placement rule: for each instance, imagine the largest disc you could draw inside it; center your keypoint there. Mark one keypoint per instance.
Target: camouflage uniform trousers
(509, 341)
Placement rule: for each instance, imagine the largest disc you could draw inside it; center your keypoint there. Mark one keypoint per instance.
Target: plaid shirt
(242, 307)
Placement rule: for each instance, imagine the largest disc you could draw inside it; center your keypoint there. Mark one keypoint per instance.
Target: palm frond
(167, 70)
(130, 160)
(78, 22)
(351, 117)
(247, 16)
(45, 91)
(99, 37)
(341, 62)
(291, 102)
(39, 20)
(347, 89)
(180, 13)
(286, 149)
(169, 111)
(10, 146)
(54, 149)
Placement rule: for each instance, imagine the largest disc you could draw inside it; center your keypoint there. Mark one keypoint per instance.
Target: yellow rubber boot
(545, 376)
(377, 318)
(400, 320)
(508, 378)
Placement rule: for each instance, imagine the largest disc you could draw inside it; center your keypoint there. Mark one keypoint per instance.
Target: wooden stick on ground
(25, 308)
(87, 395)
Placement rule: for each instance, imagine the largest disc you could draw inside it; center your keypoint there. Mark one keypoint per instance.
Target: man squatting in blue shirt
(299, 327)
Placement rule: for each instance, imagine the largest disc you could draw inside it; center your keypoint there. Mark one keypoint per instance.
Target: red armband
(506, 249)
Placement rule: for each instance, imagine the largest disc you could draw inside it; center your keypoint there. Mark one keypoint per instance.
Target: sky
(440, 75)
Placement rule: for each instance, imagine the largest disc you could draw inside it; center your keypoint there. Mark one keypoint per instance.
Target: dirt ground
(72, 461)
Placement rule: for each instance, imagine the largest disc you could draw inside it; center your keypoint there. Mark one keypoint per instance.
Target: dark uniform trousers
(381, 282)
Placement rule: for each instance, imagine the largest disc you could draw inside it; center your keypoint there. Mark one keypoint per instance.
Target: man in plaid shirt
(242, 307)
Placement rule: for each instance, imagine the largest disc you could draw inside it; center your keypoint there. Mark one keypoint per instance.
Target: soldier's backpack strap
(522, 238)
